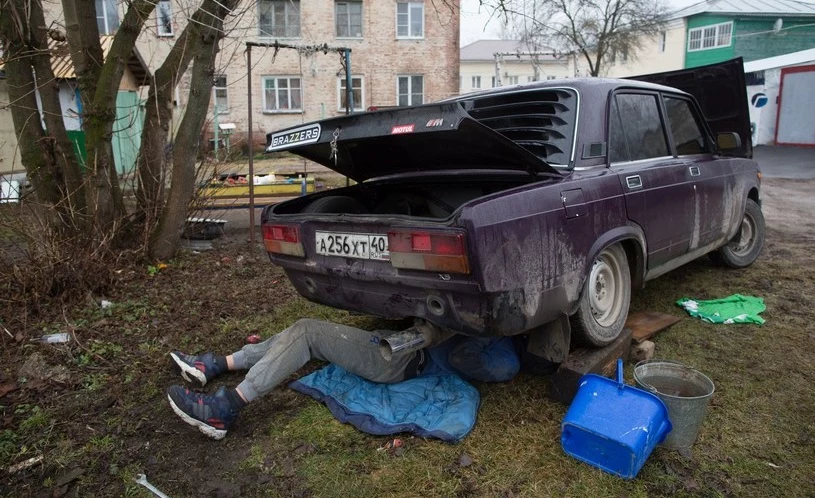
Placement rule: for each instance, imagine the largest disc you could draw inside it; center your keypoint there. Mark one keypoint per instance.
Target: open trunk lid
(441, 136)
(721, 92)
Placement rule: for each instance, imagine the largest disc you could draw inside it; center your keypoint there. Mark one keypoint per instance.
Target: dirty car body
(498, 212)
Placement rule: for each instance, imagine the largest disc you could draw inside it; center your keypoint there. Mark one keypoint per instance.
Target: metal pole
(251, 147)
(349, 91)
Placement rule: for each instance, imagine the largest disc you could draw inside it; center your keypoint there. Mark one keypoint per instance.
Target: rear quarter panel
(529, 256)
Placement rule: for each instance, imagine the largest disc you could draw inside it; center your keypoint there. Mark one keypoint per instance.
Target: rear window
(540, 120)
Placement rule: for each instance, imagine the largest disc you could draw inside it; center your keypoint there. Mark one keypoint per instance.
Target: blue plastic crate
(613, 426)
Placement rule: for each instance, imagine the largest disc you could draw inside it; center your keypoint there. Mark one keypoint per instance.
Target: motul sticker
(434, 123)
(402, 129)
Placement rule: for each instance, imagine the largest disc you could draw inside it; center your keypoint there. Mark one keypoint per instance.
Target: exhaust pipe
(419, 336)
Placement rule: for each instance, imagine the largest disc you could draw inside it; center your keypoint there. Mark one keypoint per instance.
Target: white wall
(524, 70)
(9, 153)
(651, 58)
(70, 107)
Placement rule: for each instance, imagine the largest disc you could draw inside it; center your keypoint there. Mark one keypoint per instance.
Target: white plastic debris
(60, 338)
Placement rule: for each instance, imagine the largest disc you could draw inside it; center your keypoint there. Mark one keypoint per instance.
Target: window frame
(475, 82)
(662, 42)
(409, 36)
(288, 4)
(106, 18)
(701, 34)
(358, 105)
(159, 24)
(347, 3)
(215, 88)
(276, 77)
(410, 92)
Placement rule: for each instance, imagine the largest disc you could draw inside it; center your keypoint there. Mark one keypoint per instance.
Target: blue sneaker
(196, 368)
(212, 414)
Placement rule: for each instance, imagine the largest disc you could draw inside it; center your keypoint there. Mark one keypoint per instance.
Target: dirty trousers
(273, 360)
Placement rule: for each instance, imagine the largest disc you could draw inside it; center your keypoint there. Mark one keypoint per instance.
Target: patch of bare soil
(103, 417)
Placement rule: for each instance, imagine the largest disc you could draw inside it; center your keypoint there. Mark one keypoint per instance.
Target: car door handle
(634, 182)
(694, 171)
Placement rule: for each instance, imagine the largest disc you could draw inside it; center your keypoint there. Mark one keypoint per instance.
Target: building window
(513, 80)
(551, 77)
(530, 79)
(475, 82)
(221, 97)
(348, 19)
(663, 38)
(164, 13)
(356, 91)
(409, 20)
(282, 94)
(493, 83)
(107, 17)
(709, 37)
(279, 18)
(410, 90)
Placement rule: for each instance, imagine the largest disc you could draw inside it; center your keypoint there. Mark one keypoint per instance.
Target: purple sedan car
(502, 212)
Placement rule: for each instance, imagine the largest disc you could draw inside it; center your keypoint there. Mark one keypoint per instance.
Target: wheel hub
(603, 291)
(743, 242)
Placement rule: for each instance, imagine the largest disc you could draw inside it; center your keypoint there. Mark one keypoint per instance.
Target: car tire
(604, 302)
(336, 204)
(744, 248)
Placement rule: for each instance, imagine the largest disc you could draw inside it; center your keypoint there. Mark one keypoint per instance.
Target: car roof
(579, 84)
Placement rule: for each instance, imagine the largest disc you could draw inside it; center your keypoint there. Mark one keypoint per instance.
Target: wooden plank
(644, 324)
(564, 382)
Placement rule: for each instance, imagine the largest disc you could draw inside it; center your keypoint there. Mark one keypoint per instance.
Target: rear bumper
(467, 311)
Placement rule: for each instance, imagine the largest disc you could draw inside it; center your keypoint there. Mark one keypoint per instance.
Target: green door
(127, 131)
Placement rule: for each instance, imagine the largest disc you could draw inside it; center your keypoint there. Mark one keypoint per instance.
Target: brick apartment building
(402, 53)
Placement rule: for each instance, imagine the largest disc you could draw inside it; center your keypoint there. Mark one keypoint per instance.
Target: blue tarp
(432, 406)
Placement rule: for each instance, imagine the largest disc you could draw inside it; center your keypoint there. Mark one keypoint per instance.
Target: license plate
(353, 245)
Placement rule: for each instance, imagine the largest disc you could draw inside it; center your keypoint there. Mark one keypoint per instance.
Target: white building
(491, 63)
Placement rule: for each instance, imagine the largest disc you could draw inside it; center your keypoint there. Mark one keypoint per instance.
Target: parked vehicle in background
(496, 213)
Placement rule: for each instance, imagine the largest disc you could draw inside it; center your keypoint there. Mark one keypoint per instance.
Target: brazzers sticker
(298, 136)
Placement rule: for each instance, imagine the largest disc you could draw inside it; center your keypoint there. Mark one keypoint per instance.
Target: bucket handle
(620, 383)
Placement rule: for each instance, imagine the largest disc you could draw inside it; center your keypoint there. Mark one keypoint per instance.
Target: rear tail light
(444, 252)
(283, 239)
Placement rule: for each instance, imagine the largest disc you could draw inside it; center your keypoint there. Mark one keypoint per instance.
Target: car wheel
(744, 248)
(604, 302)
(336, 204)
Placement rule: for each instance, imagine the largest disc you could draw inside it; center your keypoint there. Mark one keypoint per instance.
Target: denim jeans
(270, 362)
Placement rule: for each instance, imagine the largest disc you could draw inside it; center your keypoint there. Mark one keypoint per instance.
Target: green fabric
(731, 309)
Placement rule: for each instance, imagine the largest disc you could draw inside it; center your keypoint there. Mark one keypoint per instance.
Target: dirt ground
(92, 413)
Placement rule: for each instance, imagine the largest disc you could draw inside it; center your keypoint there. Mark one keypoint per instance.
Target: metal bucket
(685, 391)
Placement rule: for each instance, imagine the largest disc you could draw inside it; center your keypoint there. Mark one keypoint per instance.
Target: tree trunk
(104, 193)
(152, 157)
(67, 164)
(167, 234)
(36, 150)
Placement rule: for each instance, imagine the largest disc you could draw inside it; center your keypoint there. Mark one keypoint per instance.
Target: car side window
(617, 149)
(685, 130)
(642, 134)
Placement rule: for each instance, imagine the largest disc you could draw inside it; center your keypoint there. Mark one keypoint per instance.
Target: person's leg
(353, 349)
(273, 360)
